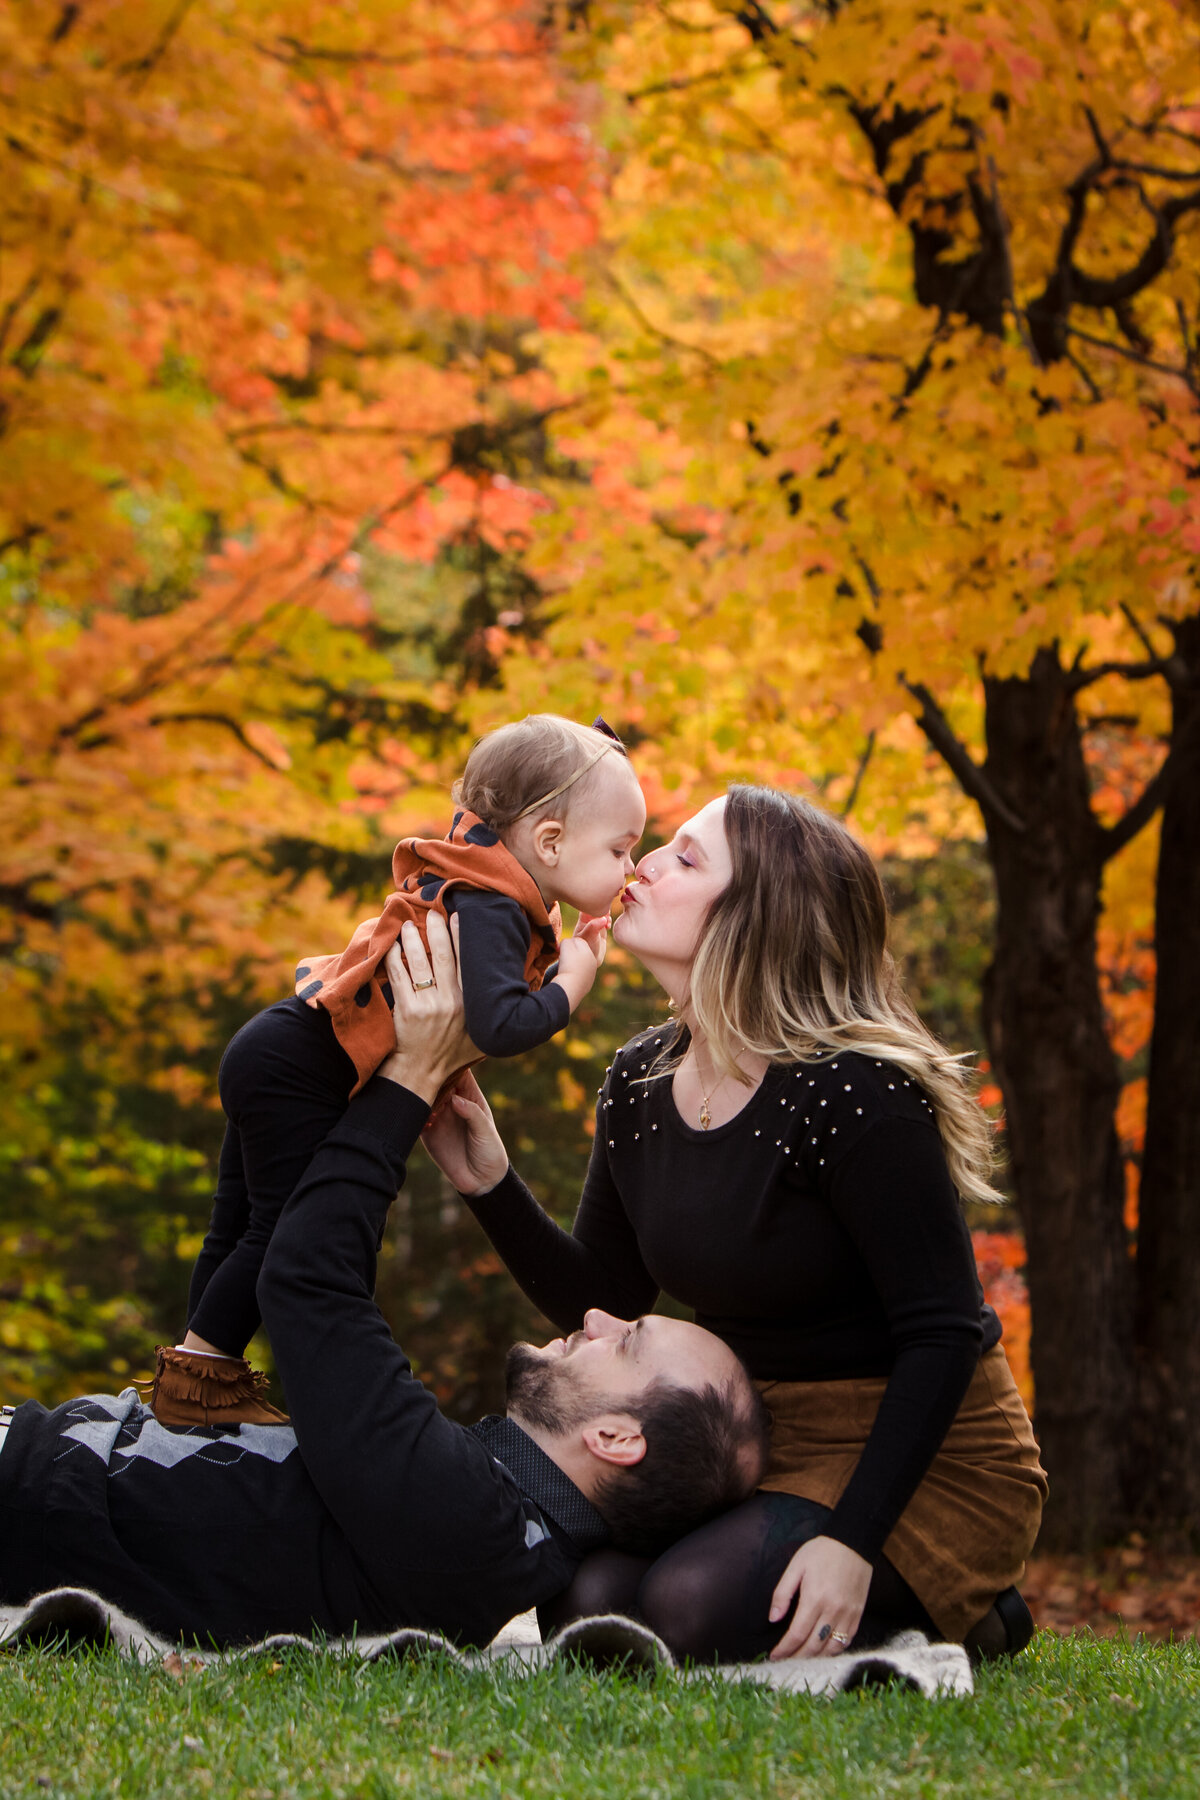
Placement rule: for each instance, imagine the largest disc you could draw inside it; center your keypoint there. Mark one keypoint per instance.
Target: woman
(784, 1157)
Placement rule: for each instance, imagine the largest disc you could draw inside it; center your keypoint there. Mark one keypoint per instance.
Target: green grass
(1071, 1717)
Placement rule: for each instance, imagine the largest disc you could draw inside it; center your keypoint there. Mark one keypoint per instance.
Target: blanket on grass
(74, 1616)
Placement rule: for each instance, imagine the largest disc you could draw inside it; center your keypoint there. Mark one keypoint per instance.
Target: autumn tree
(893, 404)
(266, 428)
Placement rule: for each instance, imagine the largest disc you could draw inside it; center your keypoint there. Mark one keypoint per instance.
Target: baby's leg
(285, 1082)
(228, 1220)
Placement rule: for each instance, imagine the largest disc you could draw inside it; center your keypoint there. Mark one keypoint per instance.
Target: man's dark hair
(706, 1450)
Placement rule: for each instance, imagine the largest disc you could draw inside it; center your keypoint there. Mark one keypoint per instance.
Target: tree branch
(1115, 837)
(187, 718)
(1075, 680)
(1139, 630)
(1135, 356)
(685, 25)
(290, 50)
(1006, 251)
(681, 83)
(657, 331)
(958, 759)
(756, 21)
(1085, 376)
(1100, 292)
(144, 65)
(215, 718)
(864, 762)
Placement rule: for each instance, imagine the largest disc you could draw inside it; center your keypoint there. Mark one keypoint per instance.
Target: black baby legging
(708, 1596)
(284, 1082)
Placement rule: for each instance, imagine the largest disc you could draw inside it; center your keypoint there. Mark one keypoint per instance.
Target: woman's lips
(628, 897)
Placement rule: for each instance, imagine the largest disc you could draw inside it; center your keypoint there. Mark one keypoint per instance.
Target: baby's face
(599, 837)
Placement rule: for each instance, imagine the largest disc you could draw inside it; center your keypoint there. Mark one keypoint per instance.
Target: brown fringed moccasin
(208, 1390)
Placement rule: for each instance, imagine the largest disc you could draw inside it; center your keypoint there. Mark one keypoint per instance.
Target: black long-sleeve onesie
(285, 1081)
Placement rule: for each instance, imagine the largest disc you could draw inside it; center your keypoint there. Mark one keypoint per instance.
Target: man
(370, 1510)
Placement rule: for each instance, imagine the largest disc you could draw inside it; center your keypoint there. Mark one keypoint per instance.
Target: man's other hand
(431, 1037)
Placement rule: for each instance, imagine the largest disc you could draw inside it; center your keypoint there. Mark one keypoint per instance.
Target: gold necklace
(705, 1115)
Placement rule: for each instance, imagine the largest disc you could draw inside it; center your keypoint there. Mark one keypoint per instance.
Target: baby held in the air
(547, 813)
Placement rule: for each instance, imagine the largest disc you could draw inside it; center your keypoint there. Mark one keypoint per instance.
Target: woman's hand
(427, 1009)
(831, 1582)
(463, 1141)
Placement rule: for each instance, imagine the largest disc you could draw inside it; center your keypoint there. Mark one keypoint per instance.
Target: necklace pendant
(705, 1115)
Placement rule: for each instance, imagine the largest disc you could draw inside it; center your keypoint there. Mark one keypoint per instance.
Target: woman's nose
(599, 1324)
(642, 868)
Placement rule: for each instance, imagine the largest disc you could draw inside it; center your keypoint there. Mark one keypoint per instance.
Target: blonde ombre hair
(793, 964)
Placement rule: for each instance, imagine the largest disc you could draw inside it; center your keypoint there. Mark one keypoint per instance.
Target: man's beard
(540, 1391)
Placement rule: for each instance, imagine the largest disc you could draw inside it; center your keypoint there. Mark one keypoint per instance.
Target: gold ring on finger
(418, 985)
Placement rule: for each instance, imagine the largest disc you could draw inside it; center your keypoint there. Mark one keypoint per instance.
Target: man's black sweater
(368, 1512)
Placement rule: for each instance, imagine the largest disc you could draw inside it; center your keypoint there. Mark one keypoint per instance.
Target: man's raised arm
(393, 1472)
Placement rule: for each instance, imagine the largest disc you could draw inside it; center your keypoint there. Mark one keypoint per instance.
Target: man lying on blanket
(369, 1510)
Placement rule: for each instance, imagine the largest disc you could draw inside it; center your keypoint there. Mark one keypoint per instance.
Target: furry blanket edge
(935, 1670)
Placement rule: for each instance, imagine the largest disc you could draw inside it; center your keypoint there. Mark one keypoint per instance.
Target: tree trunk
(1046, 1032)
(1168, 1259)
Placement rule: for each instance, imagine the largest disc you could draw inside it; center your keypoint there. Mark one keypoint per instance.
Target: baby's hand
(594, 932)
(579, 958)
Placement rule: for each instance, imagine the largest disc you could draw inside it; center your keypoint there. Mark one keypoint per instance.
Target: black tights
(707, 1597)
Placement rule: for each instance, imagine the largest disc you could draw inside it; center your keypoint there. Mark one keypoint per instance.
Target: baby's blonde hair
(512, 770)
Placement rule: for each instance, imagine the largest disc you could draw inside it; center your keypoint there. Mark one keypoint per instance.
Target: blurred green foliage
(942, 921)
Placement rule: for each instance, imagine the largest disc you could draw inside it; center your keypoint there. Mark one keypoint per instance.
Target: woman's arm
(598, 1263)
(894, 1196)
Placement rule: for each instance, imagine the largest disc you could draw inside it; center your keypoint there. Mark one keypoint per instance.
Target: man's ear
(615, 1438)
(547, 841)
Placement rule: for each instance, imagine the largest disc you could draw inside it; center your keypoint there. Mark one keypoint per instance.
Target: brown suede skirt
(965, 1534)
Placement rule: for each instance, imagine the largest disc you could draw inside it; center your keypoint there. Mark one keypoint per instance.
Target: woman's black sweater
(818, 1233)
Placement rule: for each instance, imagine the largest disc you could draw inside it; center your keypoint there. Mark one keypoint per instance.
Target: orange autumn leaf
(1131, 1114)
(1000, 1259)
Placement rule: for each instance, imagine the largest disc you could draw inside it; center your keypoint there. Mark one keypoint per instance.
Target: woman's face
(672, 890)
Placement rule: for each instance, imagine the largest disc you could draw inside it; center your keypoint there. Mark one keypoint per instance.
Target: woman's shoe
(208, 1390)
(1004, 1629)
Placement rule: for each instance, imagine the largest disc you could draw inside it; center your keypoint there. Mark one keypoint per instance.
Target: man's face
(607, 1367)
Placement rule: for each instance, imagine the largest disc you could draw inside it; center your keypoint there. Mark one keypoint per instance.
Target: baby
(548, 812)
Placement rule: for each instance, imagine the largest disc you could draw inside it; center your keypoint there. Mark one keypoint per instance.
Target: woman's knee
(607, 1581)
(709, 1596)
(684, 1600)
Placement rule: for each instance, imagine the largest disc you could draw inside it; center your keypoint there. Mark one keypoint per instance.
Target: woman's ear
(615, 1438)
